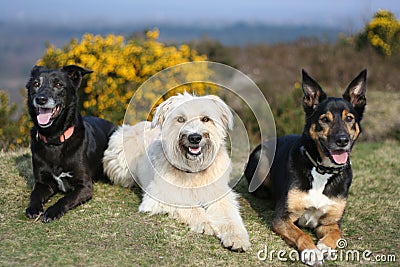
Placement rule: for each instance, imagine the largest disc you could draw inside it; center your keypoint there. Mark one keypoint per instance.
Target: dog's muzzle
(194, 143)
(338, 149)
(46, 110)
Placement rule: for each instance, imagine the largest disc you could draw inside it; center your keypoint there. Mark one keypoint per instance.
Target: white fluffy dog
(181, 162)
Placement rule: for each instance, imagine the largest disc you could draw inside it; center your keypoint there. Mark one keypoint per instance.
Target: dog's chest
(315, 202)
(62, 180)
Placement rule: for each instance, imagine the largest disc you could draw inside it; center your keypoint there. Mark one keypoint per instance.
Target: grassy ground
(108, 230)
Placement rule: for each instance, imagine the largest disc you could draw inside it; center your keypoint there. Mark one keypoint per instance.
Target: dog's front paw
(151, 206)
(202, 228)
(236, 241)
(52, 213)
(312, 257)
(328, 252)
(34, 211)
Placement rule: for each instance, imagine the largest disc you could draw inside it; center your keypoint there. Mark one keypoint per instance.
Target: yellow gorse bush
(8, 127)
(119, 68)
(382, 33)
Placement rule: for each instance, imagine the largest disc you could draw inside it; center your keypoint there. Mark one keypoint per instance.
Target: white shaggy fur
(190, 184)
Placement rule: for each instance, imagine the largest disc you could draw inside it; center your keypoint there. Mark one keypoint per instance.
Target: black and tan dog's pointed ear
(355, 92)
(313, 93)
(75, 73)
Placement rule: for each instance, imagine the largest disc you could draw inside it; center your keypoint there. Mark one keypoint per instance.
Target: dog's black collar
(321, 169)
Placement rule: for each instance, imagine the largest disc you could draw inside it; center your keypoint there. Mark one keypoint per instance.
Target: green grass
(108, 230)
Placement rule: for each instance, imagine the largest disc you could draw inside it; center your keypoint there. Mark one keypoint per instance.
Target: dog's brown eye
(349, 118)
(205, 119)
(180, 119)
(58, 85)
(324, 120)
(36, 84)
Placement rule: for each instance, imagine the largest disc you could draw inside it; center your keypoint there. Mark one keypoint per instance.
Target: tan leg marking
(293, 235)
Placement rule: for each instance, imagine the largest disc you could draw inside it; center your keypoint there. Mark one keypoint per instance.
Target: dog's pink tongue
(340, 157)
(44, 116)
(195, 150)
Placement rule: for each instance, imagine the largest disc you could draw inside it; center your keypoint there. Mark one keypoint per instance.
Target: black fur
(76, 160)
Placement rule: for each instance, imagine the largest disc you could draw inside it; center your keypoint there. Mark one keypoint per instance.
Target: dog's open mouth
(336, 156)
(194, 150)
(46, 116)
(339, 157)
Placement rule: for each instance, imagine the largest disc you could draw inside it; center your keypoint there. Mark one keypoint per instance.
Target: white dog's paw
(328, 252)
(146, 207)
(312, 257)
(151, 206)
(202, 228)
(236, 241)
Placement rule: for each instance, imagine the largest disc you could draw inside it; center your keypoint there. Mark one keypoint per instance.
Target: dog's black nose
(194, 138)
(342, 140)
(41, 99)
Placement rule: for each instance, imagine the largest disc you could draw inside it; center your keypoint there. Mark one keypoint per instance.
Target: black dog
(67, 149)
(311, 173)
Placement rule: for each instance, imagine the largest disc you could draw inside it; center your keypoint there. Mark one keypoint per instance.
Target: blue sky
(342, 13)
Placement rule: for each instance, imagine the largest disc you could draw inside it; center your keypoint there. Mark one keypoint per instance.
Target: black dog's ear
(313, 93)
(355, 92)
(34, 72)
(36, 69)
(75, 73)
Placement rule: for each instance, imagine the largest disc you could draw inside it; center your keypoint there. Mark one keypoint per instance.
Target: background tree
(382, 33)
(8, 126)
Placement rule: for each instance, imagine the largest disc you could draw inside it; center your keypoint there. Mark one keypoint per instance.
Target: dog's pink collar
(65, 136)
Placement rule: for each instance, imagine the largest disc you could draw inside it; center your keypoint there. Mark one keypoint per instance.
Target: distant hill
(244, 33)
(21, 45)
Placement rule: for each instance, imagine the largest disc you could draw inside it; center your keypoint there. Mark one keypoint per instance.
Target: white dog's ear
(161, 112)
(225, 111)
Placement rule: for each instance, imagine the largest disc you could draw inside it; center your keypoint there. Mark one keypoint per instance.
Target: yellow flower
(119, 68)
(153, 35)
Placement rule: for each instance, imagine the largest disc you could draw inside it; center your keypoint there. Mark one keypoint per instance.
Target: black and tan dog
(311, 173)
(67, 150)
